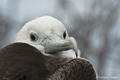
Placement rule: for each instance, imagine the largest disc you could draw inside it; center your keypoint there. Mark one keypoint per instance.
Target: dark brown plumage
(20, 61)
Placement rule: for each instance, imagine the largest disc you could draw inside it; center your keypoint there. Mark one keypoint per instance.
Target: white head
(49, 36)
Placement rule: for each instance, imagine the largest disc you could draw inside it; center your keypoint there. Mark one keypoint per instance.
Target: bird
(49, 36)
(43, 50)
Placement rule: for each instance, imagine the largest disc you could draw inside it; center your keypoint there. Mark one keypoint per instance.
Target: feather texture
(20, 61)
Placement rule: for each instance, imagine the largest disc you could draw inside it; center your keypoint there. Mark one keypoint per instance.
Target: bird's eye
(33, 37)
(64, 34)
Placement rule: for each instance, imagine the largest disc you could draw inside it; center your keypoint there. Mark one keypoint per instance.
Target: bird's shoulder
(74, 69)
(17, 59)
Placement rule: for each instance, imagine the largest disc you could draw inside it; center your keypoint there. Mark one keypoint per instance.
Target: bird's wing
(16, 71)
(76, 69)
(15, 61)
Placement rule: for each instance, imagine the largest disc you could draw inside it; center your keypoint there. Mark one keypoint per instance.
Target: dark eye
(33, 37)
(64, 34)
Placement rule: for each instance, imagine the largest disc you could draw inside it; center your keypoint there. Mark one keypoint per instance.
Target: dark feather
(75, 69)
(20, 61)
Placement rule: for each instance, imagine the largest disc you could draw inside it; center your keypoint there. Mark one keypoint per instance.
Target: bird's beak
(55, 43)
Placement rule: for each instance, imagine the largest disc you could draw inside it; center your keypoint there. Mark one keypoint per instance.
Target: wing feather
(76, 69)
(14, 72)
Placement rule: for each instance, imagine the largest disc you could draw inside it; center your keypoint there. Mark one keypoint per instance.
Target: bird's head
(49, 36)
